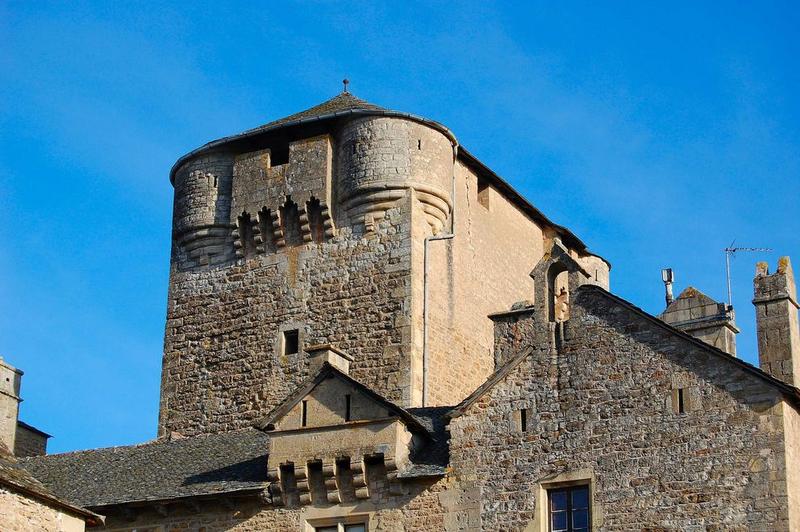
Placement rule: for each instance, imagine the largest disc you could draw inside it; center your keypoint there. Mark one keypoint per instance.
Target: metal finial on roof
(346, 83)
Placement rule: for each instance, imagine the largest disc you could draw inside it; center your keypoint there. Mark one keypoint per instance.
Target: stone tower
(347, 225)
(775, 298)
(10, 378)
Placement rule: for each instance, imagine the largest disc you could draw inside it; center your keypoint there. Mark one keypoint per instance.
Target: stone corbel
(360, 479)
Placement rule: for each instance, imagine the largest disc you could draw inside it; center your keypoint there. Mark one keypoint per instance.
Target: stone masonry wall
(29, 443)
(19, 513)
(484, 269)
(223, 365)
(604, 405)
(422, 506)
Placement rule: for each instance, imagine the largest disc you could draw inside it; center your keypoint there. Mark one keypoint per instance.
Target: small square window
(291, 342)
(569, 509)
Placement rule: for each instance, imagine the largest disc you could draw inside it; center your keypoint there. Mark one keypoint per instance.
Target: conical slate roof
(338, 104)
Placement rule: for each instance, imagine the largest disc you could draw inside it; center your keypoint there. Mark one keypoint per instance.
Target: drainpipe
(449, 236)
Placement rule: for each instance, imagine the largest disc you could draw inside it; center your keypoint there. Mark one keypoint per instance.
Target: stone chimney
(319, 354)
(695, 313)
(775, 298)
(10, 378)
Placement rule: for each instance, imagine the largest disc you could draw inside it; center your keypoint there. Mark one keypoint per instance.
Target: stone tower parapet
(286, 204)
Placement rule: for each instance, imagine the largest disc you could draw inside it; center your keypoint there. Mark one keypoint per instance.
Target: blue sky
(658, 132)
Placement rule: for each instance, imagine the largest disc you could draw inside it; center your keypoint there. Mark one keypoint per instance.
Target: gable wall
(326, 406)
(604, 405)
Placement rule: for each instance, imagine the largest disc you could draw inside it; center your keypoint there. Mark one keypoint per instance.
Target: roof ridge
(149, 443)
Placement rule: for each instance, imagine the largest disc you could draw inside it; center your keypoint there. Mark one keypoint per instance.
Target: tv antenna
(729, 252)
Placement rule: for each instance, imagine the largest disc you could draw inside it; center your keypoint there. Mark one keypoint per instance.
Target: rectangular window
(291, 342)
(523, 420)
(347, 407)
(569, 509)
(681, 407)
(304, 413)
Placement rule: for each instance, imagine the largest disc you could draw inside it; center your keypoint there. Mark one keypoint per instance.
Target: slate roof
(160, 470)
(432, 458)
(18, 479)
(341, 103)
(198, 466)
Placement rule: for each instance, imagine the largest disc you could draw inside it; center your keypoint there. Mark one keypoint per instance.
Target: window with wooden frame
(568, 509)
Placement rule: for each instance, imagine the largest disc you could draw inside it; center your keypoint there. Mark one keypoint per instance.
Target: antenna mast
(729, 251)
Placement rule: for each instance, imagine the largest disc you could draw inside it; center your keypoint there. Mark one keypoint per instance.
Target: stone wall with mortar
(484, 269)
(602, 408)
(19, 513)
(29, 442)
(423, 505)
(390, 184)
(201, 211)
(223, 363)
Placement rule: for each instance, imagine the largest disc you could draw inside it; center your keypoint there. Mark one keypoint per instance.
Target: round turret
(379, 158)
(202, 207)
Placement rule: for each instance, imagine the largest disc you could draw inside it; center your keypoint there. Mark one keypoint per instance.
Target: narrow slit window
(347, 405)
(304, 413)
(681, 400)
(419, 144)
(291, 342)
(523, 420)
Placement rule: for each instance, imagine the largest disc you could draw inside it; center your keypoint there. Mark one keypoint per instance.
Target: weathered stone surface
(20, 513)
(603, 403)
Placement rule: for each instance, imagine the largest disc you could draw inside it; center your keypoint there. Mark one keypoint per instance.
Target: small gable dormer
(326, 435)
